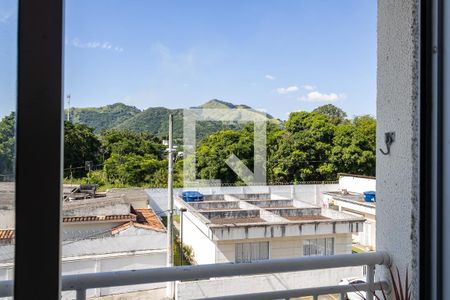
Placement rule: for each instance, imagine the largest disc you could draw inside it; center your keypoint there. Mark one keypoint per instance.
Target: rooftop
(253, 209)
(350, 197)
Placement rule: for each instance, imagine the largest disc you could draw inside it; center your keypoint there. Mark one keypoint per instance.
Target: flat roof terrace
(351, 197)
(299, 214)
(215, 205)
(236, 216)
(272, 203)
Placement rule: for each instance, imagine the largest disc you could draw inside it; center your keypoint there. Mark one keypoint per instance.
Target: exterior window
(249, 252)
(321, 247)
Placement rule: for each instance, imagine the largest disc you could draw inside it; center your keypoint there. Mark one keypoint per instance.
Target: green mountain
(103, 117)
(154, 119)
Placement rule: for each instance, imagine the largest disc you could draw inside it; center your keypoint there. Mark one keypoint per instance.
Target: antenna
(68, 104)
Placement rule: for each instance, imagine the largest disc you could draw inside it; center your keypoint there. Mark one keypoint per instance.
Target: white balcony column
(397, 111)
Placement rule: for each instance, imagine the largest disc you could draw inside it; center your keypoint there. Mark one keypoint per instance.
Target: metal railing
(83, 282)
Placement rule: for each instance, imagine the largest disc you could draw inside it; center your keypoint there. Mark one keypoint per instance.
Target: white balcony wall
(263, 283)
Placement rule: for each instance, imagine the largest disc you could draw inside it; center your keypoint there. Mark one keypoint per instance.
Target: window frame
(40, 45)
(250, 245)
(316, 243)
(39, 140)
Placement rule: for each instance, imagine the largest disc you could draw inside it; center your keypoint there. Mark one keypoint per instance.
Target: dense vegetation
(7, 145)
(308, 146)
(105, 117)
(152, 120)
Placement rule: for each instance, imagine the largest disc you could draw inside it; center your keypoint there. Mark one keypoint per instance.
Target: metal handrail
(83, 282)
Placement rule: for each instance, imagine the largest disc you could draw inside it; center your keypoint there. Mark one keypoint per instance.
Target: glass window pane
(264, 250)
(306, 248)
(320, 246)
(8, 99)
(330, 246)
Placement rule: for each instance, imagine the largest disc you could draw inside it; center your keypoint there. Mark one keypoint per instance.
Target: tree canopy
(309, 146)
(7, 144)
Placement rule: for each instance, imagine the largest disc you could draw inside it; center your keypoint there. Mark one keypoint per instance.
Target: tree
(304, 149)
(336, 114)
(135, 170)
(7, 144)
(212, 152)
(124, 142)
(354, 147)
(80, 145)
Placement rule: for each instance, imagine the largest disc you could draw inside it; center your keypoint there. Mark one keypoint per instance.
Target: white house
(250, 227)
(113, 232)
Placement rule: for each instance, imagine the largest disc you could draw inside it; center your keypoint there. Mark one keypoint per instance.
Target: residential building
(242, 228)
(350, 199)
(251, 227)
(111, 231)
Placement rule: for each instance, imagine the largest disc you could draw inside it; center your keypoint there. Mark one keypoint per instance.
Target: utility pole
(68, 110)
(171, 284)
(182, 210)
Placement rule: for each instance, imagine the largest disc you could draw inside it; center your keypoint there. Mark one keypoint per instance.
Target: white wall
(105, 263)
(310, 193)
(133, 239)
(263, 283)
(196, 235)
(397, 110)
(283, 247)
(7, 218)
(357, 184)
(91, 264)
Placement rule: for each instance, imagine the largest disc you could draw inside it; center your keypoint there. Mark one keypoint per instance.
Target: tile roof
(145, 218)
(7, 234)
(128, 217)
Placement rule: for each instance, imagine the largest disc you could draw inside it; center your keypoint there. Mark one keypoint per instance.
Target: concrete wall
(198, 238)
(105, 263)
(283, 247)
(7, 218)
(133, 239)
(269, 231)
(310, 193)
(357, 184)
(263, 283)
(77, 230)
(397, 110)
(115, 263)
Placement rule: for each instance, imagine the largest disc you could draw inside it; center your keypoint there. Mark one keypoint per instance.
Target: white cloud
(176, 63)
(309, 87)
(287, 90)
(317, 96)
(270, 77)
(76, 42)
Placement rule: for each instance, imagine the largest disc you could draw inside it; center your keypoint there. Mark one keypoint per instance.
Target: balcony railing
(83, 282)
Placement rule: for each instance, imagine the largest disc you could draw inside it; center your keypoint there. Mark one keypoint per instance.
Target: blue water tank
(192, 196)
(369, 196)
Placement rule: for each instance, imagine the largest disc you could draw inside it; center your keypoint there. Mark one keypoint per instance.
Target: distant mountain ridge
(153, 119)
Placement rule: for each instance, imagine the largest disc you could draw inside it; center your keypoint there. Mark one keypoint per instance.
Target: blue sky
(279, 56)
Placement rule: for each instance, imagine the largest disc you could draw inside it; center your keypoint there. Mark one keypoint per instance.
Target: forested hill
(104, 117)
(152, 120)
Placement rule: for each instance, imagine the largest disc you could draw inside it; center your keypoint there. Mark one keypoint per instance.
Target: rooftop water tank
(192, 196)
(369, 196)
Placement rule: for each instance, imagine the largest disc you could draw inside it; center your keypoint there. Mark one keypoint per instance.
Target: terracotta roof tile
(7, 234)
(146, 216)
(128, 217)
